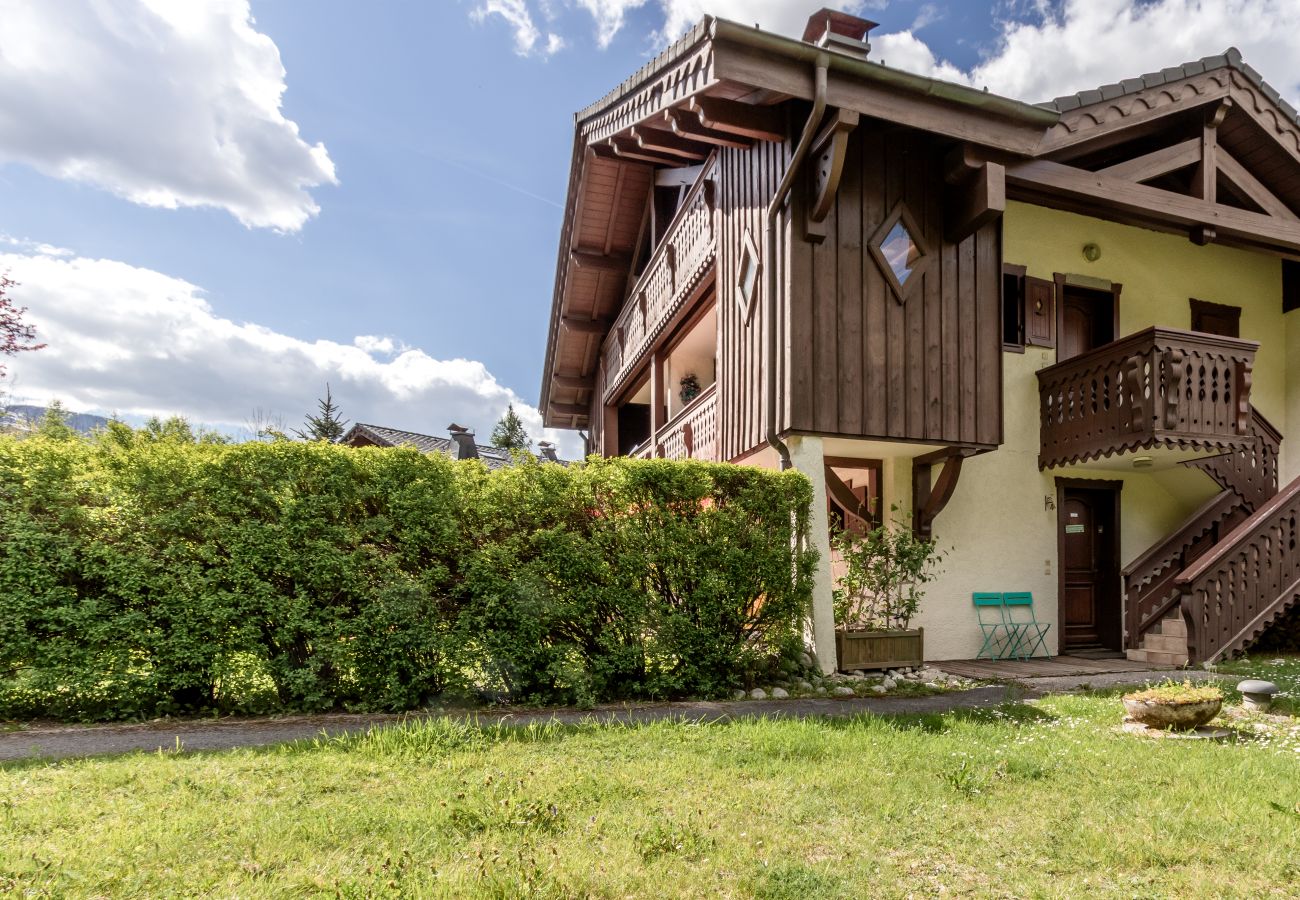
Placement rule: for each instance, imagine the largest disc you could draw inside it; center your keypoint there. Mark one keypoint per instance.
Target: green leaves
(885, 571)
(147, 574)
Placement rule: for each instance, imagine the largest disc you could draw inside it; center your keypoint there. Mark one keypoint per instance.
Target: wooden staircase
(1231, 570)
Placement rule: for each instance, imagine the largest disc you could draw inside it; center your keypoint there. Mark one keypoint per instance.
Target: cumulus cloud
(133, 341)
(167, 103)
(517, 15)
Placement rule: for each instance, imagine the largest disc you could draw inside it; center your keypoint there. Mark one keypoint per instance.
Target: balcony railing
(693, 432)
(674, 271)
(1156, 388)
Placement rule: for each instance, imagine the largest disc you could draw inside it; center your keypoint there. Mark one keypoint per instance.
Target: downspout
(769, 253)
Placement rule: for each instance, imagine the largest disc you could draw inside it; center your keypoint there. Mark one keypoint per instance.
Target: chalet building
(1060, 337)
(459, 444)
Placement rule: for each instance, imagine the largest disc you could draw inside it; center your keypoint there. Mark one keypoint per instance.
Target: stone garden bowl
(1172, 714)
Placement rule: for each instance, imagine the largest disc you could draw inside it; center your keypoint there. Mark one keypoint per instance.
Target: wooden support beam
(1158, 162)
(842, 494)
(971, 206)
(929, 500)
(762, 123)
(828, 151)
(570, 409)
(574, 382)
(609, 431)
(1247, 184)
(657, 140)
(1204, 184)
(687, 125)
(658, 401)
(627, 148)
(584, 326)
(1045, 181)
(605, 262)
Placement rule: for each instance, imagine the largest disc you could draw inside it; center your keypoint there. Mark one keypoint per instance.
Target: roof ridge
(1230, 58)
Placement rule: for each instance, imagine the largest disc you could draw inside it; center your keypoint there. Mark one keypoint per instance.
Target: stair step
(1174, 625)
(1135, 655)
(1165, 643)
(1162, 657)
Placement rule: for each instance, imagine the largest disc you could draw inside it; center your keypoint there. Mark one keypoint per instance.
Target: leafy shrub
(885, 571)
(146, 573)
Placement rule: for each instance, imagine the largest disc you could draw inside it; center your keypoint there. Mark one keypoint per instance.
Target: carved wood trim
(828, 152)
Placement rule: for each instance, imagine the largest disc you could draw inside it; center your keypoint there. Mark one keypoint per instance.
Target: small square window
(899, 250)
(747, 276)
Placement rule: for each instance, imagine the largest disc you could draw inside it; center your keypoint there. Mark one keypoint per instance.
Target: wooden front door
(1087, 321)
(1090, 596)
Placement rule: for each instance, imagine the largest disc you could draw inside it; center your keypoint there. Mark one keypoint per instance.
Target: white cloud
(517, 15)
(167, 103)
(133, 341)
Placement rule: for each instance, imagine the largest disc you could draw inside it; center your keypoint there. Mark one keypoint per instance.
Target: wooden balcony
(1157, 388)
(691, 434)
(675, 270)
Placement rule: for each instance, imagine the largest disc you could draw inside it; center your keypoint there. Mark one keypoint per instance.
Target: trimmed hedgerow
(145, 574)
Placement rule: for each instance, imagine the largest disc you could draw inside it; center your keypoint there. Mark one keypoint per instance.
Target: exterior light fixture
(1091, 252)
(1142, 462)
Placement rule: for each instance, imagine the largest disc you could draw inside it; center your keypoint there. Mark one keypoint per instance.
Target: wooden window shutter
(1040, 312)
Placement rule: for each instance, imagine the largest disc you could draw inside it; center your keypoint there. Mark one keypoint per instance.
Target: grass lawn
(1030, 801)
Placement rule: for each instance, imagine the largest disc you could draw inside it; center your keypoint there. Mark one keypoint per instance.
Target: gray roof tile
(492, 457)
(1230, 58)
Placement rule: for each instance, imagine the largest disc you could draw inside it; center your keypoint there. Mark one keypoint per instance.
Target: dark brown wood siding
(747, 181)
(861, 363)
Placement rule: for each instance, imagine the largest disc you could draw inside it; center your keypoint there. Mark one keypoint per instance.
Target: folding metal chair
(1029, 635)
(992, 617)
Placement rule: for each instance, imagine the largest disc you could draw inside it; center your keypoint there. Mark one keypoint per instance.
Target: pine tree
(328, 425)
(509, 432)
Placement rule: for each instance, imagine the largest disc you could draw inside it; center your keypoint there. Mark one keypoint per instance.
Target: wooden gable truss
(1203, 150)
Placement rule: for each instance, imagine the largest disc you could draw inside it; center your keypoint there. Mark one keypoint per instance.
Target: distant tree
(509, 432)
(15, 337)
(265, 426)
(327, 424)
(54, 424)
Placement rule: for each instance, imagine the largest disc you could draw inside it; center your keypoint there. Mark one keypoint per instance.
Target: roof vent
(464, 438)
(839, 31)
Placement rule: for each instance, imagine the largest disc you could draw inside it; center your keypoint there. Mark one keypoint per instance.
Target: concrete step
(1165, 643)
(1174, 625)
(1163, 658)
(1136, 655)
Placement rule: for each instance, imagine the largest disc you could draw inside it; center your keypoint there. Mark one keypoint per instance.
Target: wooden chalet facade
(1063, 338)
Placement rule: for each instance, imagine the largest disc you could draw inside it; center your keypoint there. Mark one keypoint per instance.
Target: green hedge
(145, 574)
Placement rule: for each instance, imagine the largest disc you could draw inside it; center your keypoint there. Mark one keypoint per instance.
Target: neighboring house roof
(1229, 59)
(362, 435)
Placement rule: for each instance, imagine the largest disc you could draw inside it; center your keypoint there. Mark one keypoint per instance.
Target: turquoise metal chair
(1028, 635)
(999, 640)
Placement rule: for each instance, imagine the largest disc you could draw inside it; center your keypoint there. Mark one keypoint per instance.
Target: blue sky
(447, 125)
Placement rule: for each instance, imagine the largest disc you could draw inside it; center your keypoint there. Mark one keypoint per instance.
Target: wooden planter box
(879, 649)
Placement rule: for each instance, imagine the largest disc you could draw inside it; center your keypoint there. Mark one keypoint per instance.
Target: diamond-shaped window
(747, 276)
(898, 249)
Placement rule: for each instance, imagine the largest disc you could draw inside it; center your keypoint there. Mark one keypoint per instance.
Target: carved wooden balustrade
(1150, 591)
(1249, 579)
(1159, 387)
(1252, 470)
(676, 268)
(693, 432)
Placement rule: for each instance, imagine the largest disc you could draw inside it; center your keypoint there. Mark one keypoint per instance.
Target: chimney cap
(458, 429)
(832, 21)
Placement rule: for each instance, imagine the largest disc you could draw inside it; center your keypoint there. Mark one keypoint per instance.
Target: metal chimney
(547, 451)
(840, 32)
(464, 438)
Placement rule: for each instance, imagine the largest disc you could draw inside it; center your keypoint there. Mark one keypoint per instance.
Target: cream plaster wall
(1160, 273)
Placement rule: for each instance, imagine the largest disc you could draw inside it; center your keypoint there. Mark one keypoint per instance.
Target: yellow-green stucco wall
(999, 529)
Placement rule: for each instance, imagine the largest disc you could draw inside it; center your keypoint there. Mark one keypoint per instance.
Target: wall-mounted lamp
(1091, 252)
(1143, 462)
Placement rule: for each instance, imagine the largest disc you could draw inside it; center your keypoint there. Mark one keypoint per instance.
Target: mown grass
(1047, 800)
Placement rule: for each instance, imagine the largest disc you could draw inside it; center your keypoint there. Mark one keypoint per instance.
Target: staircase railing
(1245, 582)
(1250, 471)
(1149, 588)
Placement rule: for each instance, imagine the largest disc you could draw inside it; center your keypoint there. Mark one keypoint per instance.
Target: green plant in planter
(690, 387)
(1170, 691)
(885, 573)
